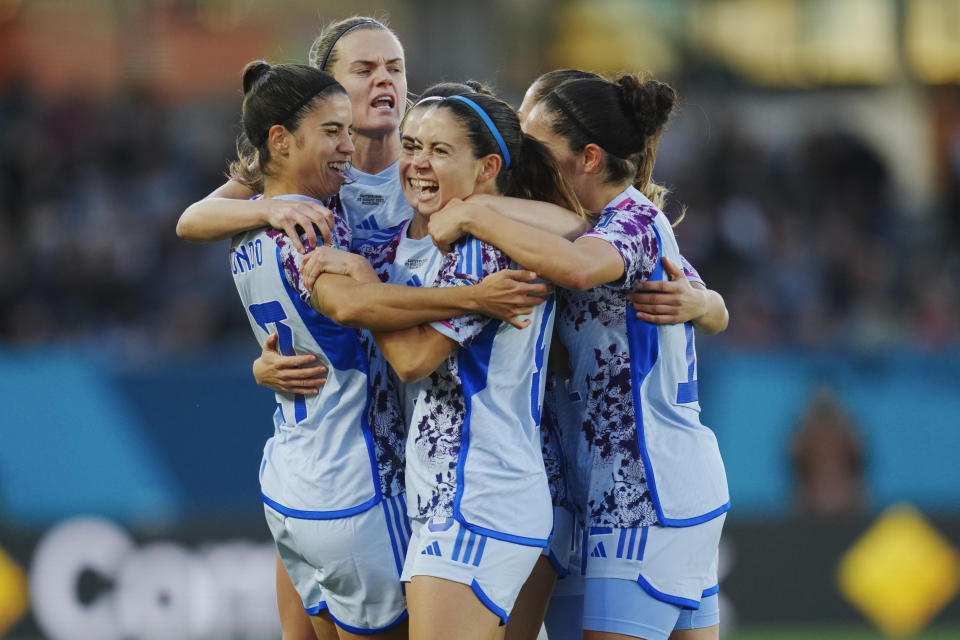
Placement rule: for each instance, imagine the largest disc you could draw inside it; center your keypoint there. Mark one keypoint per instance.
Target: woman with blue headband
(476, 486)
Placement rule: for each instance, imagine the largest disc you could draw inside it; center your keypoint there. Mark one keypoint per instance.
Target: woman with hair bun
(647, 475)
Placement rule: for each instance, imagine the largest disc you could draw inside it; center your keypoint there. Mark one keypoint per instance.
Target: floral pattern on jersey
(553, 461)
(436, 442)
(436, 436)
(291, 259)
(381, 255)
(690, 271)
(609, 464)
(385, 417)
(630, 230)
(618, 487)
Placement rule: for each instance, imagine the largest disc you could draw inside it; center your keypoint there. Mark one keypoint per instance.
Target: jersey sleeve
(468, 263)
(688, 270)
(630, 231)
(290, 261)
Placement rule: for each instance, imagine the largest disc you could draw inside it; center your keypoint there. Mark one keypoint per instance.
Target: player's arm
(581, 265)
(346, 289)
(679, 299)
(416, 352)
(534, 213)
(229, 210)
(376, 306)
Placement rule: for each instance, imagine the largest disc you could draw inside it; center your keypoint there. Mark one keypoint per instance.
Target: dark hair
(323, 54)
(553, 79)
(281, 94)
(624, 117)
(532, 172)
(445, 90)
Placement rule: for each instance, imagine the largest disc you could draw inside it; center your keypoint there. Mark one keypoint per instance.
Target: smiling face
(442, 165)
(370, 67)
(322, 147)
(408, 146)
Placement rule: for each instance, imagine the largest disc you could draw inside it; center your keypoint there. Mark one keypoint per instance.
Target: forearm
(414, 352)
(552, 257)
(534, 213)
(715, 318)
(389, 307)
(215, 219)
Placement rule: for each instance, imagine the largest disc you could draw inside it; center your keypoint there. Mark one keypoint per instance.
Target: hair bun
(253, 72)
(648, 103)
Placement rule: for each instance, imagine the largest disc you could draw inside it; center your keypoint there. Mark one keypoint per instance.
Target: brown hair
(625, 117)
(532, 171)
(281, 94)
(323, 51)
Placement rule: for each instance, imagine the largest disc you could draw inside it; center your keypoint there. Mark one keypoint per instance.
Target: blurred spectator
(828, 456)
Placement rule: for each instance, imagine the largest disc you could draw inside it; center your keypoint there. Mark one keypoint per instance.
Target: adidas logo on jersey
(369, 223)
(414, 282)
(432, 550)
(598, 551)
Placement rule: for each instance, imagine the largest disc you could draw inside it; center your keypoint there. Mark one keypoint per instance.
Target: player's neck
(373, 154)
(600, 195)
(418, 227)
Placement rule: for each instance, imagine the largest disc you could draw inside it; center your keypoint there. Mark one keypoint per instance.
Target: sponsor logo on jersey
(432, 550)
(370, 199)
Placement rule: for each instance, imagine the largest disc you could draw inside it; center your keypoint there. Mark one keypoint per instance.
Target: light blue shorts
(615, 605)
(673, 564)
(349, 566)
(494, 569)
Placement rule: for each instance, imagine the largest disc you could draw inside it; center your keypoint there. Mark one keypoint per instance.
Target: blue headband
(492, 127)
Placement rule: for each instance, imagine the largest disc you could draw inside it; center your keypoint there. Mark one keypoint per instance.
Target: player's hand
(329, 260)
(668, 301)
(289, 374)
(446, 226)
(295, 217)
(510, 294)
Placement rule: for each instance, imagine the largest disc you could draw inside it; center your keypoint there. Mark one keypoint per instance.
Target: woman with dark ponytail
(332, 474)
(646, 475)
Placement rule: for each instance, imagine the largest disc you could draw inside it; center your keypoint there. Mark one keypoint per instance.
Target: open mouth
(426, 188)
(339, 167)
(383, 103)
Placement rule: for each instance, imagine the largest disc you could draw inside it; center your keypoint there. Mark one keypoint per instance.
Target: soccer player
(475, 477)
(331, 477)
(366, 57)
(652, 480)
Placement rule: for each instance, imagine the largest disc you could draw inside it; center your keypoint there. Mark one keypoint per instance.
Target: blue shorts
(615, 605)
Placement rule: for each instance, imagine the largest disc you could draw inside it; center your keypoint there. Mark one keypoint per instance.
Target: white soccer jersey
(473, 451)
(373, 202)
(643, 457)
(400, 259)
(339, 452)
